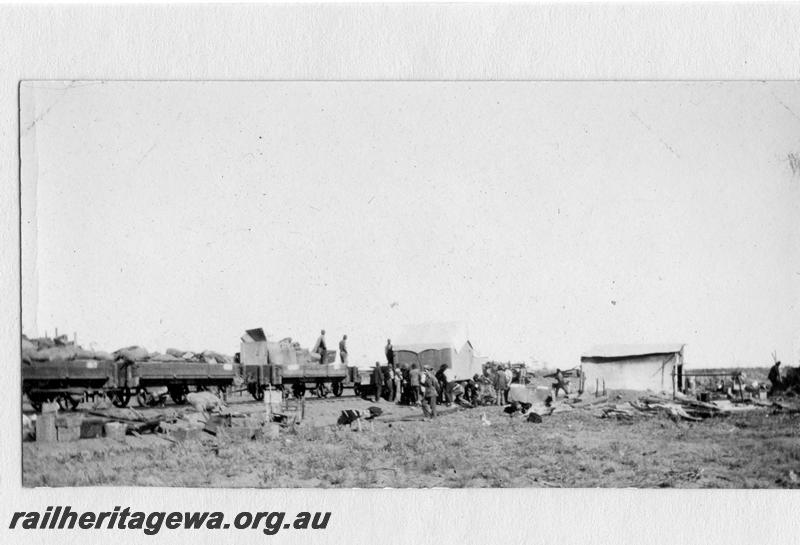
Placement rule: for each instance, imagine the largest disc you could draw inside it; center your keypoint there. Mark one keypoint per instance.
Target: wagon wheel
(356, 390)
(36, 402)
(338, 388)
(120, 398)
(320, 390)
(68, 403)
(256, 390)
(299, 390)
(178, 394)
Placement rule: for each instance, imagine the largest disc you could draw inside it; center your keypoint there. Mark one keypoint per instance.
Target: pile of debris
(210, 417)
(677, 408)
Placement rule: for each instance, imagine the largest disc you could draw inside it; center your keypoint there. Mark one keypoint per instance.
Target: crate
(91, 428)
(186, 434)
(46, 428)
(68, 421)
(114, 430)
(65, 434)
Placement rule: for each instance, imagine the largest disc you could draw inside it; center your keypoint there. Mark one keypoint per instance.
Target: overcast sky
(548, 216)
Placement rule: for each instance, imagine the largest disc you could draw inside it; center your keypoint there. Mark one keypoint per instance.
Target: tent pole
(673, 382)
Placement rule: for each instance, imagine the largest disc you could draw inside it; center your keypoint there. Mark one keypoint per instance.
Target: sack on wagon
(132, 353)
(55, 353)
(215, 357)
(102, 355)
(157, 356)
(185, 355)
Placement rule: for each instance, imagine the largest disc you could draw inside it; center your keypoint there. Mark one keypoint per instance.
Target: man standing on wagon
(343, 350)
(389, 353)
(321, 347)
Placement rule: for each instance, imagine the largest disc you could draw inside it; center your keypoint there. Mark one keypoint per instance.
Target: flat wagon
(69, 381)
(285, 366)
(179, 377)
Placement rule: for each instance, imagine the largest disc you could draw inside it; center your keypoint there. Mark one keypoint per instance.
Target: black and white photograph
(409, 284)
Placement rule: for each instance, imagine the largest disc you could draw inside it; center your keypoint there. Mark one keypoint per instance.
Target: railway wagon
(69, 381)
(179, 376)
(286, 366)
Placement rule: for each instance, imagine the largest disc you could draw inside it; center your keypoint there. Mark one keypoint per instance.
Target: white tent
(438, 343)
(632, 367)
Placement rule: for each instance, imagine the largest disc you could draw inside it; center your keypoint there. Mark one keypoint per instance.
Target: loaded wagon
(285, 366)
(179, 376)
(68, 381)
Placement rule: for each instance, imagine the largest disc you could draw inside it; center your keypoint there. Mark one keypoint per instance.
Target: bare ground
(757, 449)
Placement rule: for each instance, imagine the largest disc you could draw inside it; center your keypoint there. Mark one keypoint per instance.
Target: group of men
(405, 384)
(321, 348)
(421, 385)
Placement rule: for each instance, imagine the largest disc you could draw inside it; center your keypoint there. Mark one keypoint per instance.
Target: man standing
(388, 382)
(559, 384)
(775, 378)
(509, 378)
(343, 350)
(321, 347)
(500, 385)
(431, 386)
(415, 393)
(389, 353)
(398, 385)
(377, 381)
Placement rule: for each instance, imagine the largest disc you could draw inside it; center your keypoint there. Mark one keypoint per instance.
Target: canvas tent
(438, 343)
(632, 367)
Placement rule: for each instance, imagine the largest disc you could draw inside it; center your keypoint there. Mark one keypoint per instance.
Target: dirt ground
(575, 448)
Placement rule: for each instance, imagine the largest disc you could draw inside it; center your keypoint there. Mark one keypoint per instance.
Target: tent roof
(629, 350)
(436, 335)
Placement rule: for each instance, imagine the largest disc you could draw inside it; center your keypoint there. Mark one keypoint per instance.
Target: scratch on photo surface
(49, 108)
(646, 126)
(788, 109)
(145, 154)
